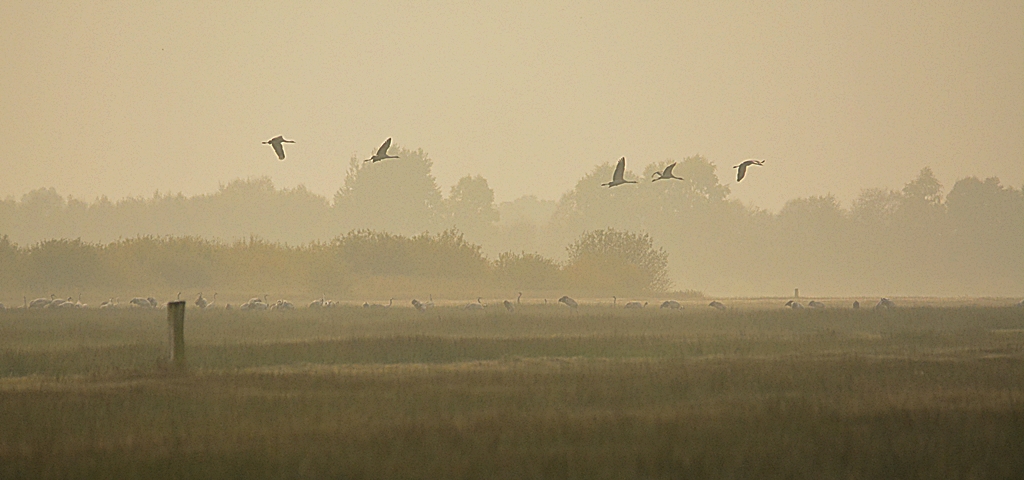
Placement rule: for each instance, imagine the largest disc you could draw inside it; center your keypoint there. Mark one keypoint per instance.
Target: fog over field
(891, 134)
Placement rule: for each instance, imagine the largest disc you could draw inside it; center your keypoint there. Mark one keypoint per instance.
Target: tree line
(360, 264)
(919, 240)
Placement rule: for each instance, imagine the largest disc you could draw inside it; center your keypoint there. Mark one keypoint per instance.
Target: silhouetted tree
(470, 208)
(616, 261)
(527, 271)
(398, 196)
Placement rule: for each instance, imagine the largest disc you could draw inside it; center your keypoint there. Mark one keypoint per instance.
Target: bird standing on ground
(200, 301)
(382, 152)
(573, 306)
(717, 304)
(277, 142)
(667, 173)
(617, 179)
(509, 306)
(743, 167)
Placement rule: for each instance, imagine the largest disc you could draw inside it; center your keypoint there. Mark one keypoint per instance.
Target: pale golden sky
(124, 98)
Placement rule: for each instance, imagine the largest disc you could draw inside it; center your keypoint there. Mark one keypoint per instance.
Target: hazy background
(893, 134)
(124, 98)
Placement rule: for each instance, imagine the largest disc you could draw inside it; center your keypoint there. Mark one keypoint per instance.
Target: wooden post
(176, 333)
(796, 293)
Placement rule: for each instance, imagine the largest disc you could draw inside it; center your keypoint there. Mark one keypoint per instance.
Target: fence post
(176, 333)
(796, 293)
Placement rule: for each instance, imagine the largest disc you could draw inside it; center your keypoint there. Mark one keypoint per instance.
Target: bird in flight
(277, 142)
(665, 174)
(382, 152)
(743, 167)
(617, 176)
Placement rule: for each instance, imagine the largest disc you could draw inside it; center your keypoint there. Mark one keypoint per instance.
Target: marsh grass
(913, 393)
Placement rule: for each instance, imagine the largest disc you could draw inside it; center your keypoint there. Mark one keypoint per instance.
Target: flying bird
(277, 142)
(382, 152)
(743, 167)
(617, 176)
(665, 174)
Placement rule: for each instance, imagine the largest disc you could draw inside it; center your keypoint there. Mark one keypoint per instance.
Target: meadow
(932, 389)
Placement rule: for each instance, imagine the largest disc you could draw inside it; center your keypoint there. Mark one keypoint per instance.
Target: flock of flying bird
(617, 177)
(620, 170)
(257, 303)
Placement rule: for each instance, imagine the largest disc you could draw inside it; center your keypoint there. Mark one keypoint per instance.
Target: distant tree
(812, 235)
(699, 184)
(398, 196)
(611, 260)
(875, 206)
(527, 271)
(925, 188)
(986, 228)
(590, 206)
(470, 208)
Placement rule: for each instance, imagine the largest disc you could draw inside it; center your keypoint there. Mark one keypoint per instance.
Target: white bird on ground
(377, 305)
(479, 305)
(200, 301)
(717, 304)
(573, 306)
(382, 152)
(742, 172)
(667, 173)
(815, 304)
(282, 305)
(255, 303)
(41, 302)
(509, 306)
(671, 304)
(58, 303)
(885, 303)
(634, 305)
(794, 305)
(140, 302)
(420, 306)
(856, 305)
(277, 142)
(620, 169)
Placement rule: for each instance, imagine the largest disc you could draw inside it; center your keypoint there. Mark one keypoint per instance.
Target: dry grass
(914, 393)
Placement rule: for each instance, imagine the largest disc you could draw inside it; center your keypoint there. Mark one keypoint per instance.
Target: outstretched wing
(383, 150)
(668, 170)
(620, 169)
(279, 148)
(741, 172)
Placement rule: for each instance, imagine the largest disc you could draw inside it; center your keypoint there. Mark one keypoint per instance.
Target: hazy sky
(124, 98)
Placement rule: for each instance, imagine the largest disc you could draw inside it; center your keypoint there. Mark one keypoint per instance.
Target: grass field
(752, 392)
